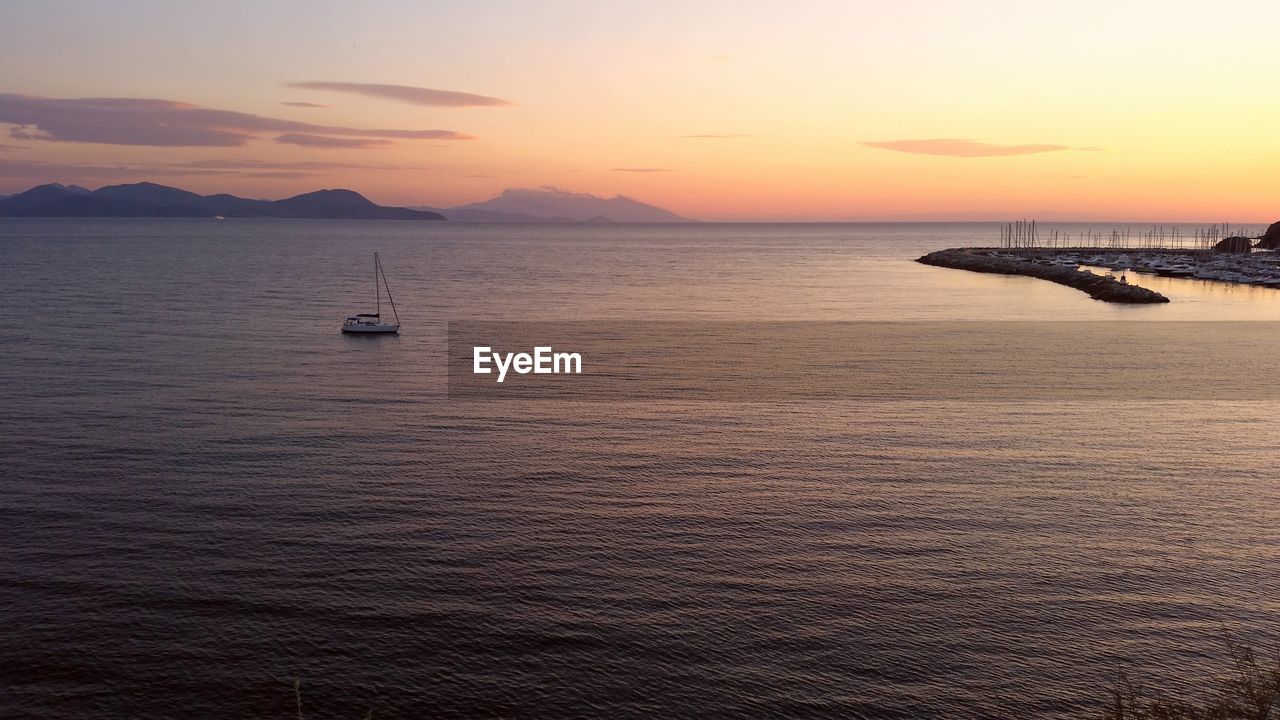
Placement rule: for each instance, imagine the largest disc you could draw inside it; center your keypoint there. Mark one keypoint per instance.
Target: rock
(1271, 238)
(1234, 244)
(1099, 287)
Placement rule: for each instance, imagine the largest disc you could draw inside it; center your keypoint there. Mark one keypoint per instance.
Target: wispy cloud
(43, 171)
(642, 170)
(324, 141)
(405, 94)
(305, 105)
(40, 171)
(716, 136)
(952, 147)
(163, 123)
(301, 165)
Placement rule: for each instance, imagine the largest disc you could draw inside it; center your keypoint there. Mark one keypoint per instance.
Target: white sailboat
(372, 322)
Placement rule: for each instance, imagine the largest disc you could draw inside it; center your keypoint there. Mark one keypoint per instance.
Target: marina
(1111, 271)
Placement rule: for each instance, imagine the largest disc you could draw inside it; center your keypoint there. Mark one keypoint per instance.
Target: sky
(744, 110)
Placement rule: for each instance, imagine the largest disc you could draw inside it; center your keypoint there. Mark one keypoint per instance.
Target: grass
(1249, 691)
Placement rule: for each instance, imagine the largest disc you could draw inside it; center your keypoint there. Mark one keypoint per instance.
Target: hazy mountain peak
(550, 189)
(554, 202)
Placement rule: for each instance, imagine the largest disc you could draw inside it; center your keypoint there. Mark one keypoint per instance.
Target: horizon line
(939, 218)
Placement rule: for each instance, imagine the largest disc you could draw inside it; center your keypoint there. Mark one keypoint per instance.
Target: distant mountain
(549, 204)
(55, 200)
(474, 215)
(343, 204)
(151, 194)
(230, 205)
(36, 197)
(151, 200)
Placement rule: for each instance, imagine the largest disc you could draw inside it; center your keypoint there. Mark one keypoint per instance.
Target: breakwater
(1099, 287)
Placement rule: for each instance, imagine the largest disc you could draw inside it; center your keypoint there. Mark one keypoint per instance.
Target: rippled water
(208, 491)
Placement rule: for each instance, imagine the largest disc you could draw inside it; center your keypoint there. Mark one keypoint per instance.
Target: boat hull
(381, 329)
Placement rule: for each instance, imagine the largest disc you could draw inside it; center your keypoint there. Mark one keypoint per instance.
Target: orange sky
(733, 111)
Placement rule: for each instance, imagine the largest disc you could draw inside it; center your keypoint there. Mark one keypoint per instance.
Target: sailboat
(372, 322)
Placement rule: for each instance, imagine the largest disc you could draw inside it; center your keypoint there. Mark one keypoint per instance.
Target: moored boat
(371, 323)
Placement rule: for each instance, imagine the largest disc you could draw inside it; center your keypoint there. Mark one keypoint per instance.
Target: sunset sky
(715, 110)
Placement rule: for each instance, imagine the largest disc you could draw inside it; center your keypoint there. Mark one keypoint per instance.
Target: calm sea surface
(207, 492)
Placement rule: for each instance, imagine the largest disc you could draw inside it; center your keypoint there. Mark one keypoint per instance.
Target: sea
(213, 504)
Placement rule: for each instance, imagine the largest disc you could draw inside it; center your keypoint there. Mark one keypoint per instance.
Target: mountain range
(151, 200)
(145, 199)
(550, 204)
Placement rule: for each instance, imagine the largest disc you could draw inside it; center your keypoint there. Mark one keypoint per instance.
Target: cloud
(952, 147)
(36, 170)
(406, 94)
(715, 136)
(43, 171)
(643, 170)
(163, 123)
(307, 165)
(305, 105)
(324, 141)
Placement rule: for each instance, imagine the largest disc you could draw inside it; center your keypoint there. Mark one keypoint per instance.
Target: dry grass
(1250, 691)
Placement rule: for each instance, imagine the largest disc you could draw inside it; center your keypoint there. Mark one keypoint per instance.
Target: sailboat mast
(387, 285)
(377, 292)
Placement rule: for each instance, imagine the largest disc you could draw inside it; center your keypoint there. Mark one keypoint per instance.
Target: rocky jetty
(1099, 287)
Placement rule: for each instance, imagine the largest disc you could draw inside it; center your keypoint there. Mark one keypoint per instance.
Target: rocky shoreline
(1099, 287)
